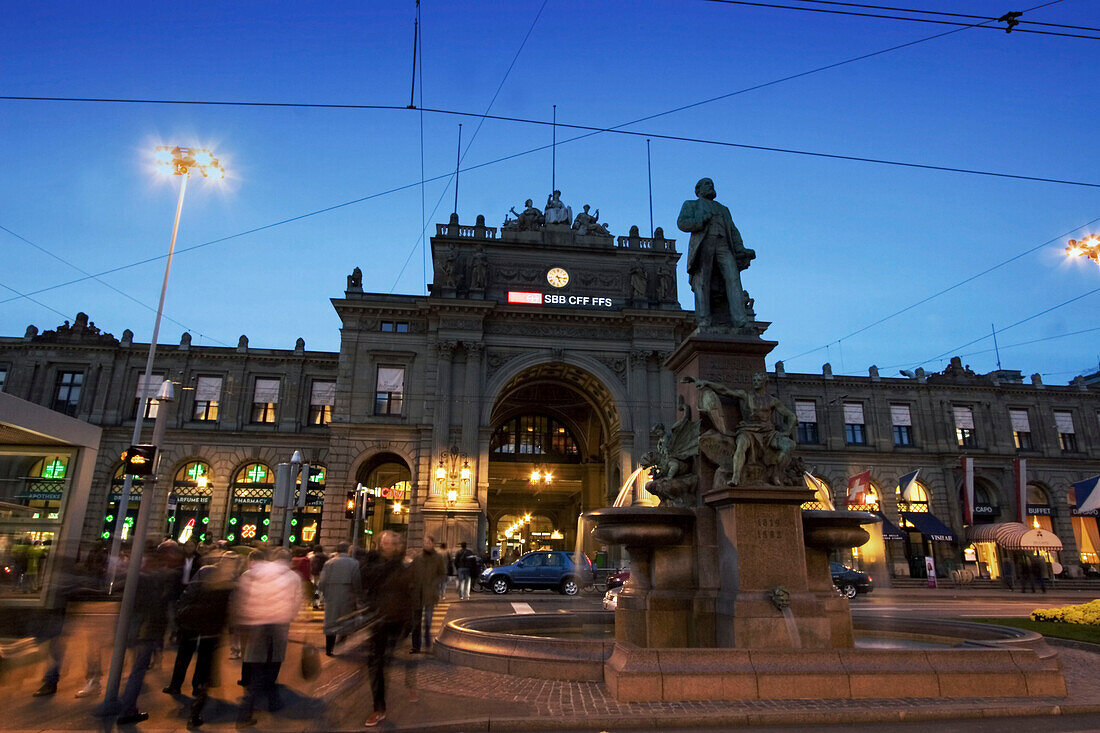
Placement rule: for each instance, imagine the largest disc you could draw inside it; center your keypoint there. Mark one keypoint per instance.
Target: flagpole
(554, 152)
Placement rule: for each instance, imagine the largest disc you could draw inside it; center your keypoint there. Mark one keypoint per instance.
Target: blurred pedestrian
(1038, 572)
(340, 584)
(201, 613)
(317, 560)
(428, 567)
(464, 562)
(390, 596)
(267, 599)
(299, 563)
(49, 623)
(1008, 573)
(450, 570)
(149, 622)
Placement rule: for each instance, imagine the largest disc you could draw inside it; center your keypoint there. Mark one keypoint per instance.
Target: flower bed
(1084, 613)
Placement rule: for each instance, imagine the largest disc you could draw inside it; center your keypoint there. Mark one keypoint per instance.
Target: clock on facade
(557, 277)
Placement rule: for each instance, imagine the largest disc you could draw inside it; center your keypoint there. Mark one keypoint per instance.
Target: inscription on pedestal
(765, 536)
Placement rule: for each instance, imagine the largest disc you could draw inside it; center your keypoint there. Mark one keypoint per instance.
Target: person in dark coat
(201, 615)
(389, 594)
(150, 622)
(317, 560)
(340, 584)
(1038, 573)
(465, 561)
(428, 567)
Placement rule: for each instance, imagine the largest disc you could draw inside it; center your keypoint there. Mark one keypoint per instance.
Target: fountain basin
(640, 526)
(828, 530)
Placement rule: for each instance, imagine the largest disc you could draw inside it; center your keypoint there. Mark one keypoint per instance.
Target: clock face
(557, 277)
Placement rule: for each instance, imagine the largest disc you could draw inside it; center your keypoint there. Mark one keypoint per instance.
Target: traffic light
(349, 506)
(368, 505)
(139, 459)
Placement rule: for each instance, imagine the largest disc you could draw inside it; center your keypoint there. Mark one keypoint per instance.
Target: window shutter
(1020, 423)
(853, 413)
(149, 387)
(391, 379)
(899, 415)
(805, 411)
(323, 394)
(208, 389)
(964, 418)
(267, 390)
(1064, 421)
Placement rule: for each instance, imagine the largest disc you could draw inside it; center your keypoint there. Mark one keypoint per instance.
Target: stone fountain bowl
(640, 526)
(829, 530)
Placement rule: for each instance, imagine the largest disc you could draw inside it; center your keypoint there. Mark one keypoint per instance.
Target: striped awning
(1014, 536)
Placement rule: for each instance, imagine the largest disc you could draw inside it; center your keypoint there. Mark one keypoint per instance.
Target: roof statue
(556, 211)
(529, 220)
(716, 257)
(589, 224)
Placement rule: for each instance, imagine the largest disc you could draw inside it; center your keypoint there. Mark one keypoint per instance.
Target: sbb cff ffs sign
(558, 299)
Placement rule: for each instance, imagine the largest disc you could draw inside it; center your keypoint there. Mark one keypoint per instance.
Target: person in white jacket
(267, 599)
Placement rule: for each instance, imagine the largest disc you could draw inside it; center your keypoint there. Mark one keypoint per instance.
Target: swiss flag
(858, 486)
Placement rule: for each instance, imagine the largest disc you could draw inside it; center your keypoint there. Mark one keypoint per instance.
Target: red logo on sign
(515, 296)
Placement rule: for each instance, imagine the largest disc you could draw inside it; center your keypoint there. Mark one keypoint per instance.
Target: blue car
(545, 570)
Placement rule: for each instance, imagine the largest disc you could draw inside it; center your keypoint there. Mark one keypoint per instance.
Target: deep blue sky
(839, 244)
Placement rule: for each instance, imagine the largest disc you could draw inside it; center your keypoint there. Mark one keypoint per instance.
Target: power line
(950, 15)
(906, 18)
(22, 295)
(82, 271)
(948, 289)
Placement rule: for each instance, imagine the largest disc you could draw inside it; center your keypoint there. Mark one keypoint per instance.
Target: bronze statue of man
(716, 256)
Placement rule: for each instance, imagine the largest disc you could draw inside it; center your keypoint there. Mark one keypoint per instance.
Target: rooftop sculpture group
(556, 214)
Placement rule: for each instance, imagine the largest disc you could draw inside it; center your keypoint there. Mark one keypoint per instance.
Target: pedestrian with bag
(429, 567)
(390, 597)
(340, 584)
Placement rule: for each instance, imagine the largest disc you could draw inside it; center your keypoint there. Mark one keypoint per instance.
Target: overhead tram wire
(423, 224)
(948, 289)
(123, 293)
(950, 15)
(906, 18)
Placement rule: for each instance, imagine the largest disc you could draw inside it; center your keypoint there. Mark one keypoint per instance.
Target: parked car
(545, 569)
(616, 580)
(611, 598)
(850, 582)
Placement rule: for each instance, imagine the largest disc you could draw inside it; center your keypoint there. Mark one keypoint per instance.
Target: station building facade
(520, 392)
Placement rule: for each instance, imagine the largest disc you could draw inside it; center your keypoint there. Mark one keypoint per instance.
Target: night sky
(840, 244)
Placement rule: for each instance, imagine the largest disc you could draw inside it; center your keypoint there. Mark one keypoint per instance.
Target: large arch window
(189, 502)
(389, 480)
(530, 437)
(1039, 510)
(915, 499)
(250, 504)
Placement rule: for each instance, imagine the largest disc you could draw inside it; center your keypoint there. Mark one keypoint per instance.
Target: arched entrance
(387, 479)
(553, 449)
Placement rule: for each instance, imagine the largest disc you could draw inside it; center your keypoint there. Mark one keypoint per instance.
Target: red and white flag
(967, 465)
(858, 486)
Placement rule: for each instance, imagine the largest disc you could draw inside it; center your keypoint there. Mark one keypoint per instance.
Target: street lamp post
(178, 162)
(1088, 247)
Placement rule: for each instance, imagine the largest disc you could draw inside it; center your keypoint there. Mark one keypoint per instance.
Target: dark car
(545, 569)
(617, 580)
(850, 582)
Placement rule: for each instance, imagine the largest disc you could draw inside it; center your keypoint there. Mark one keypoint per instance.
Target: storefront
(305, 526)
(132, 505)
(925, 535)
(251, 493)
(999, 545)
(1086, 532)
(189, 503)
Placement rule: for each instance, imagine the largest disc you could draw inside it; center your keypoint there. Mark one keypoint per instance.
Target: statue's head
(557, 194)
(586, 208)
(705, 188)
(527, 203)
(759, 381)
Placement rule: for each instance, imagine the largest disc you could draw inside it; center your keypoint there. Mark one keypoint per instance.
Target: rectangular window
(854, 432)
(902, 421)
(322, 396)
(395, 327)
(264, 400)
(3, 377)
(147, 389)
(208, 395)
(1067, 435)
(1021, 429)
(964, 426)
(66, 395)
(389, 391)
(806, 412)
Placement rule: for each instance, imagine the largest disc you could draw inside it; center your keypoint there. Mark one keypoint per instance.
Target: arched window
(305, 525)
(189, 502)
(250, 504)
(388, 479)
(1086, 531)
(534, 437)
(1040, 513)
(132, 505)
(915, 499)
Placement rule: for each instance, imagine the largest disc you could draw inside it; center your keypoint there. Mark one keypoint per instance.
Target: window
(390, 388)
(395, 327)
(264, 400)
(806, 412)
(854, 432)
(1021, 429)
(147, 389)
(66, 396)
(533, 437)
(208, 395)
(322, 395)
(902, 421)
(964, 426)
(3, 377)
(1067, 436)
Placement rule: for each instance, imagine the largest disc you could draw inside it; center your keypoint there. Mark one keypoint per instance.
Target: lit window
(964, 426)
(854, 431)
(1067, 435)
(264, 400)
(530, 436)
(902, 421)
(389, 391)
(208, 395)
(67, 392)
(806, 412)
(147, 389)
(321, 398)
(1021, 429)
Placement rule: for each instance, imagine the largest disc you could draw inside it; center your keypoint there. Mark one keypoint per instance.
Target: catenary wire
(948, 289)
(105, 284)
(949, 15)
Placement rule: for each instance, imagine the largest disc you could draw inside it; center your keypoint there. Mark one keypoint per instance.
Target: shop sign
(1039, 511)
(984, 509)
(560, 300)
(252, 500)
(387, 492)
(117, 496)
(40, 496)
(1093, 513)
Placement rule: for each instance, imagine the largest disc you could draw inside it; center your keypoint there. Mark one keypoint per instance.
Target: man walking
(339, 584)
(389, 593)
(428, 569)
(464, 561)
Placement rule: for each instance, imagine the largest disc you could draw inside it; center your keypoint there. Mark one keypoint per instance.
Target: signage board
(559, 300)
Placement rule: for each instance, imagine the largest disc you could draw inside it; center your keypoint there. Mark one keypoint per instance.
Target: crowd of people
(195, 597)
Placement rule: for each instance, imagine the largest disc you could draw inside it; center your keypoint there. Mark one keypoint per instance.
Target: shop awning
(929, 526)
(889, 529)
(1014, 536)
